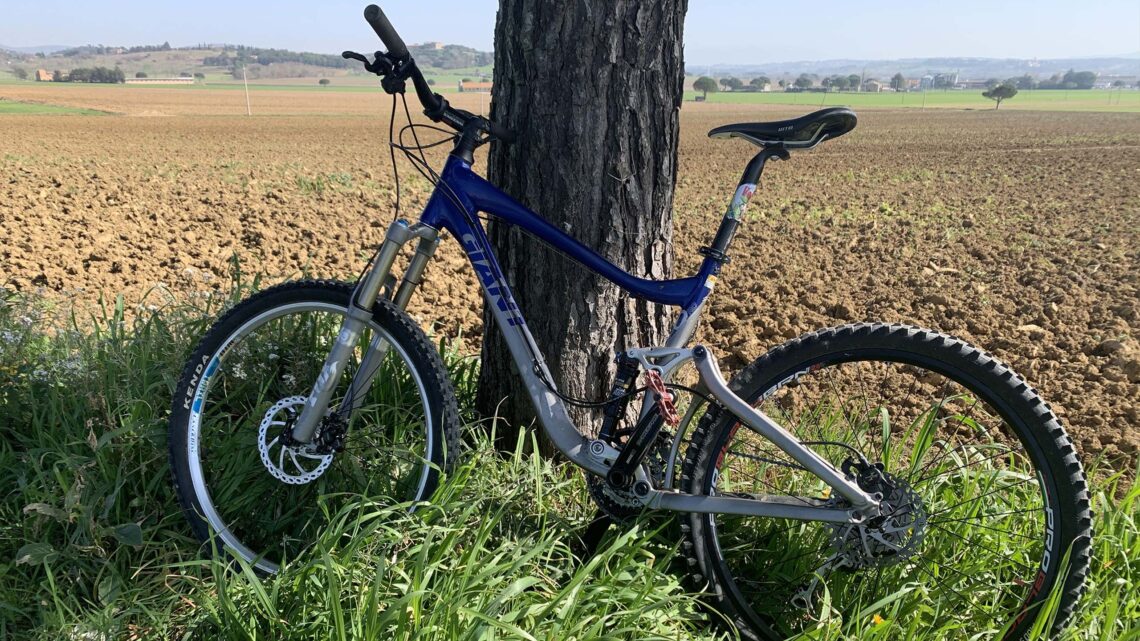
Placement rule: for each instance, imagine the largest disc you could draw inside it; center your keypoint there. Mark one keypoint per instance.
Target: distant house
(873, 86)
(478, 87)
(159, 81)
(43, 75)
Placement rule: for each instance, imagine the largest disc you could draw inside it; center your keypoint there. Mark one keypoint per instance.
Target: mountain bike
(868, 470)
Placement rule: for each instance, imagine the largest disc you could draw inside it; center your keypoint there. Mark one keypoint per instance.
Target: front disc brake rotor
(292, 464)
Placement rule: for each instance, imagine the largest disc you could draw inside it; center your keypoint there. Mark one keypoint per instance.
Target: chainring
(623, 505)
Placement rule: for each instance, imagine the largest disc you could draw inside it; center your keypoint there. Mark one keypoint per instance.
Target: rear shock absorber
(624, 384)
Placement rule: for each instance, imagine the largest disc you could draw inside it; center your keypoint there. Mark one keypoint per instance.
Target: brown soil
(1018, 231)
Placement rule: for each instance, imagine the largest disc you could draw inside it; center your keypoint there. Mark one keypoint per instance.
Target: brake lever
(352, 55)
(380, 66)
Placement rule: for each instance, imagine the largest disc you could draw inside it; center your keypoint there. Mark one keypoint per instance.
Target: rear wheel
(265, 500)
(985, 502)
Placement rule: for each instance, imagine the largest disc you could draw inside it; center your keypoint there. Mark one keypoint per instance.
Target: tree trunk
(593, 91)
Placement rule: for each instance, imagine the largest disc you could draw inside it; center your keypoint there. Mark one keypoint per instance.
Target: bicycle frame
(452, 207)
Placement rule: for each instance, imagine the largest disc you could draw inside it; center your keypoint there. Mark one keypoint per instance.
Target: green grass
(8, 107)
(93, 546)
(1046, 100)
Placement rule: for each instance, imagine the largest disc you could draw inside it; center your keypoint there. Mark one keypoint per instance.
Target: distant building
(926, 82)
(945, 80)
(43, 75)
(873, 86)
(159, 81)
(432, 45)
(478, 87)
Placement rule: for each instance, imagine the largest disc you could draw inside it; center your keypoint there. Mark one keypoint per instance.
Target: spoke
(981, 516)
(866, 408)
(985, 527)
(843, 405)
(962, 467)
(971, 581)
(962, 598)
(967, 539)
(961, 421)
(990, 493)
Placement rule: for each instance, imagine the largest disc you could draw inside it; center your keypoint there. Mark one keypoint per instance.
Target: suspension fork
(359, 312)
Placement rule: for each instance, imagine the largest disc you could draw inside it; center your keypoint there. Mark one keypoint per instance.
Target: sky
(716, 31)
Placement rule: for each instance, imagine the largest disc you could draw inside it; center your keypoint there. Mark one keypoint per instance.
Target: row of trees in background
(103, 50)
(243, 55)
(1071, 79)
(92, 74)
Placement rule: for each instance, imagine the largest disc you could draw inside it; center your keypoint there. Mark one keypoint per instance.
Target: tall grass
(93, 545)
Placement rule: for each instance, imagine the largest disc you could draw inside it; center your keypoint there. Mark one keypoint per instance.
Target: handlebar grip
(383, 28)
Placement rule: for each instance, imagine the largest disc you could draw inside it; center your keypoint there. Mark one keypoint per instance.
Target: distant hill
(974, 68)
(44, 49)
(222, 61)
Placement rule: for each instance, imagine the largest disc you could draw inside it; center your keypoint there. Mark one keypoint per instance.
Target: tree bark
(592, 89)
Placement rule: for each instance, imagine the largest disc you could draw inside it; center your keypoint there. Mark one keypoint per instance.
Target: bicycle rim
(966, 543)
(266, 501)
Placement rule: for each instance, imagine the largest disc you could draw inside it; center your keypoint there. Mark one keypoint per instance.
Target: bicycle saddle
(804, 132)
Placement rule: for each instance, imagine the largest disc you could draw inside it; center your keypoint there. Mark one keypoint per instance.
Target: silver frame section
(593, 456)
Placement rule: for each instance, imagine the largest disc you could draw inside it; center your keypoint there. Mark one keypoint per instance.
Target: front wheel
(240, 480)
(985, 504)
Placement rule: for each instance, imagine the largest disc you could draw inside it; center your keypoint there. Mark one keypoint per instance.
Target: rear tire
(781, 381)
(258, 363)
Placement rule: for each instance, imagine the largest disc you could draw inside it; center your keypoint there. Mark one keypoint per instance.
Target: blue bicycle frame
(477, 195)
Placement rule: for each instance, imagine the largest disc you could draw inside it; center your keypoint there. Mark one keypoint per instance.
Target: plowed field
(1019, 231)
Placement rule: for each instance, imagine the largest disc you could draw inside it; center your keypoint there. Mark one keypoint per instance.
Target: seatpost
(748, 183)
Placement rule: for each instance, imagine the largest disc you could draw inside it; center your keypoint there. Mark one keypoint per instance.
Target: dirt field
(1019, 231)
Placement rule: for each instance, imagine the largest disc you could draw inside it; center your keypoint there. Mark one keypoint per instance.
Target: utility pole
(245, 81)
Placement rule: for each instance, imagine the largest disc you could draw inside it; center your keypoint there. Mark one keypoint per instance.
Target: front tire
(978, 460)
(242, 484)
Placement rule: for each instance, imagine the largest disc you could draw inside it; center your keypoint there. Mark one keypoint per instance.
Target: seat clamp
(715, 254)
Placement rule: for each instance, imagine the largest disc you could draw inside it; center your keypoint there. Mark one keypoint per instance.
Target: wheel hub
(292, 463)
(893, 536)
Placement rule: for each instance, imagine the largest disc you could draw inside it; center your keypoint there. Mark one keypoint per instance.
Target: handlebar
(383, 28)
(397, 65)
